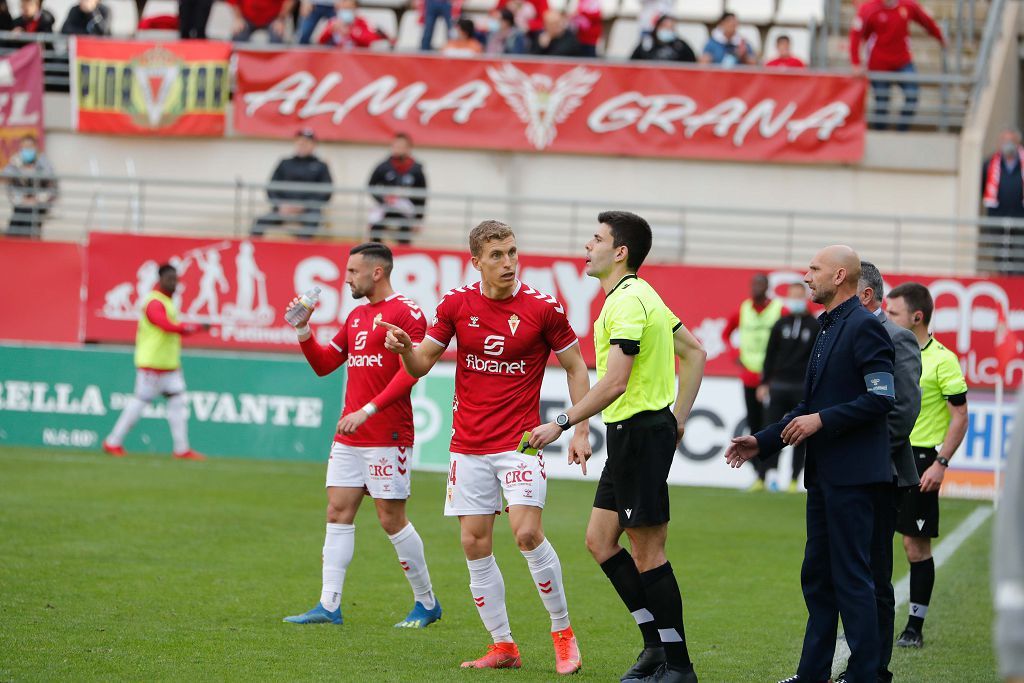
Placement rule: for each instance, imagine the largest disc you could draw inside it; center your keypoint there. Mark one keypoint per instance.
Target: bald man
(848, 390)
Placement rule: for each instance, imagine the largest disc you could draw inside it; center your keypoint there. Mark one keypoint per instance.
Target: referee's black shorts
(640, 453)
(919, 512)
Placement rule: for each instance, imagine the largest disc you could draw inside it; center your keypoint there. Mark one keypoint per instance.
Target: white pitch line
(943, 551)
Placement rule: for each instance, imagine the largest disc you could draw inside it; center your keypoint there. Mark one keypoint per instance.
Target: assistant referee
(637, 339)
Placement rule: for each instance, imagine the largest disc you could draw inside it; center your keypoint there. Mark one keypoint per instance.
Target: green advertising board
(254, 405)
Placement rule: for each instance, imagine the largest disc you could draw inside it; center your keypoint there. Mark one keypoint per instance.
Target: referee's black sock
(666, 603)
(922, 580)
(622, 572)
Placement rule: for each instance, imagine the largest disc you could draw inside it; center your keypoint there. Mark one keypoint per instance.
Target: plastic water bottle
(299, 313)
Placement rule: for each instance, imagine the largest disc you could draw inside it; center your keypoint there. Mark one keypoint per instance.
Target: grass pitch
(148, 569)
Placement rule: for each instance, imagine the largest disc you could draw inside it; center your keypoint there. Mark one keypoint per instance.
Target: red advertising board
(21, 99)
(587, 108)
(141, 88)
(40, 291)
(241, 287)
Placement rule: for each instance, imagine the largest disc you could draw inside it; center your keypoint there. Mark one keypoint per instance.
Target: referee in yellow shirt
(637, 340)
(938, 432)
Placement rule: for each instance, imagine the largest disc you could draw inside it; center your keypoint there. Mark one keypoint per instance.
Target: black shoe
(668, 674)
(841, 678)
(795, 678)
(910, 638)
(647, 663)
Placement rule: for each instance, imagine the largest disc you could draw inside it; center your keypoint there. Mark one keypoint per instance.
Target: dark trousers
(783, 399)
(881, 572)
(755, 421)
(308, 222)
(836, 581)
(26, 221)
(432, 11)
(882, 91)
(192, 18)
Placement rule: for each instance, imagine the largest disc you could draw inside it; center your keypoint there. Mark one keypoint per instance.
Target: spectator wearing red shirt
(884, 25)
(529, 14)
(260, 15)
(348, 30)
(784, 59)
(33, 19)
(586, 23)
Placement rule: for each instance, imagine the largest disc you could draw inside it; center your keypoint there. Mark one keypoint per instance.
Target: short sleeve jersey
(941, 379)
(503, 348)
(636, 319)
(370, 368)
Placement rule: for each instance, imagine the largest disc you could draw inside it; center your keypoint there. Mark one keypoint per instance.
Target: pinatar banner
(140, 88)
(21, 99)
(584, 107)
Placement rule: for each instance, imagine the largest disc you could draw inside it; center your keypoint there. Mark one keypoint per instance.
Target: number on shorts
(451, 475)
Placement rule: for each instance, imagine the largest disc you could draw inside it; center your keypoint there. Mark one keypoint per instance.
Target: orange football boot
(567, 652)
(498, 656)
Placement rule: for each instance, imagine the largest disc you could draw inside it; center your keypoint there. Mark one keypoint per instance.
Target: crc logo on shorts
(381, 469)
(360, 341)
(494, 345)
(521, 475)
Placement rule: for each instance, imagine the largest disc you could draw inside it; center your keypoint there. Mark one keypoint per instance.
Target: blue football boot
(317, 615)
(420, 616)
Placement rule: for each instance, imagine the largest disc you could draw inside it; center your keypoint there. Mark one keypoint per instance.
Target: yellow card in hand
(524, 445)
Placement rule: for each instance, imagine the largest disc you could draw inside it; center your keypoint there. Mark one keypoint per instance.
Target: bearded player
(374, 438)
(506, 331)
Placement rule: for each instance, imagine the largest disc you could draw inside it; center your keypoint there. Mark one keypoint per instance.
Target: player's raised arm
(417, 359)
(692, 358)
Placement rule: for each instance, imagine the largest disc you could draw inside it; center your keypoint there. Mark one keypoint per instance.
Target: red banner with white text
(241, 288)
(21, 99)
(143, 88)
(586, 108)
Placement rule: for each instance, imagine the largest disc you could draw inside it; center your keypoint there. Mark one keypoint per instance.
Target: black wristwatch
(942, 461)
(563, 421)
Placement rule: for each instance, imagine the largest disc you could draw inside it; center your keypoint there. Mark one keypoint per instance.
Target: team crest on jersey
(513, 323)
(377, 319)
(355, 323)
(474, 321)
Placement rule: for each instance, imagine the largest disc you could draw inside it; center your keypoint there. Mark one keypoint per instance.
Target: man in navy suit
(848, 390)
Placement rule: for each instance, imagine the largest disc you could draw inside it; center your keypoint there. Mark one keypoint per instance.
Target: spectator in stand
(503, 36)
(303, 207)
(529, 16)
(556, 40)
(397, 212)
(260, 15)
(664, 44)
(885, 26)
(432, 10)
(651, 12)
(34, 19)
(784, 57)
(192, 18)
(464, 42)
(31, 188)
(87, 18)
(587, 26)
(311, 12)
(726, 47)
(6, 21)
(349, 30)
(1002, 191)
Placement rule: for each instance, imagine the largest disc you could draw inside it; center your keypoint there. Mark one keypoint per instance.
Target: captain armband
(629, 347)
(880, 383)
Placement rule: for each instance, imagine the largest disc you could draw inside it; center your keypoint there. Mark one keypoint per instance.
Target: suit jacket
(908, 402)
(851, 392)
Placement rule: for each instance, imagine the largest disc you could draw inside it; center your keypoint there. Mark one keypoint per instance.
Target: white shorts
(150, 385)
(384, 471)
(476, 482)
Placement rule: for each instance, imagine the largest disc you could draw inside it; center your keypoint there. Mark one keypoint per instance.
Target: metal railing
(684, 233)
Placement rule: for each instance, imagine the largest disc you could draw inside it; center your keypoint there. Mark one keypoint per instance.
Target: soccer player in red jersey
(375, 435)
(506, 331)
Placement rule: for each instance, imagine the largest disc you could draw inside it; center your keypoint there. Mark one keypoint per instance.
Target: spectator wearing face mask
(785, 364)
(726, 47)
(664, 44)
(784, 58)
(1002, 191)
(400, 213)
(464, 42)
(349, 30)
(31, 188)
(87, 18)
(503, 36)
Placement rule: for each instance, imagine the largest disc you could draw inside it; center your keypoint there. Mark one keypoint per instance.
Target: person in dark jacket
(302, 207)
(785, 364)
(556, 40)
(400, 212)
(1002, 193)
(33, 19)
(6, 21)
(663, 44)
(87, 18)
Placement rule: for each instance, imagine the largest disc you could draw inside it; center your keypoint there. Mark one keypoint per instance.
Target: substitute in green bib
(937, 434)
(158, 367)
(637, 340)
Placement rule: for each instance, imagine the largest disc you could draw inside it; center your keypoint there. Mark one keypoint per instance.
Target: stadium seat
(622, 39)
(478, 5)
(382, 19)
(799, 42)
(629, 8)
(752, 34)
(156, 8)
(758, 12)
(222, 21)
(410, 31)
(124, 17)
(800, 12)
(706, 11)
(393, 4)
(695, 35)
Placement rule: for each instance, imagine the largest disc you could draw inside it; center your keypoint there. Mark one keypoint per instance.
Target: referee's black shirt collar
(619, 283)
